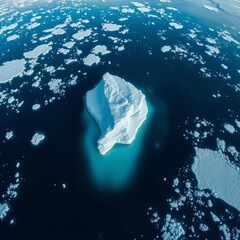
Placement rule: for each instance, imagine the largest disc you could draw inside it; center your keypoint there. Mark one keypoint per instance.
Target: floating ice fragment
(37, 138)
(91, 59)
(13, 37)
(210, 8)
(81, 34)
(176, 25)
(11, 69)
(100, 49)
(36, 106)
(37, 51)
(111, 27)
(166, 49)
(229, 128)
(4, 208)
(9, 135)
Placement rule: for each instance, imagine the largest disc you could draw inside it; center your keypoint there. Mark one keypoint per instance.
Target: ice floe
(37, 138)
(4, 208)
(91, 59)
(37, 51)
(210, 8)
(176, 25)
(81, 34)
(36, 106)
(11, 69)
(110, 27)
(166, 49)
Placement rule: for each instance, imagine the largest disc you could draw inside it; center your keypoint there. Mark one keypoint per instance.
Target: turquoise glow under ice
(117, 168)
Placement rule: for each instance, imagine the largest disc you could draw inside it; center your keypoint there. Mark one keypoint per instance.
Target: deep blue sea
(109, 197)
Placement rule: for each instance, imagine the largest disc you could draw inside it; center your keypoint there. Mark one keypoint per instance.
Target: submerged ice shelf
(119, 109)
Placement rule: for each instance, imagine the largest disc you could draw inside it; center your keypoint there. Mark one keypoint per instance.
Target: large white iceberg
(119, 109)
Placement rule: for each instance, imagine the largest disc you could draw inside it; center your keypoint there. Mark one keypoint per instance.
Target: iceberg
(118, 108)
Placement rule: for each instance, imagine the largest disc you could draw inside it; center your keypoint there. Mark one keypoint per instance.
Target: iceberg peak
(118, 108)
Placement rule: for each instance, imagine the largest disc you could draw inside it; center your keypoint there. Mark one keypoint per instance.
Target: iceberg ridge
(118, 108)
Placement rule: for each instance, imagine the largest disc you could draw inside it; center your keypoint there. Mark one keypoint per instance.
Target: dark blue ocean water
(88, 208)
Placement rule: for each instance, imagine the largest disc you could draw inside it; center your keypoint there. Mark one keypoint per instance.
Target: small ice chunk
(209, 167)
(36, 106)
(203, 227)
(143, 9)
(33, 25)
(12, 37)
(91, 59)
(211, 40)
(210, 8)
(4, 208)
(81, 34)
(237, 123)
(176, 25)
(212, 50)
(100, 49)
(166, 49)
(111, 27)
(229, 128)
(119, 109)
(37, 51)
(224, 66)
(9, 135)
(171, 230)
(37, 138)
(69, 44)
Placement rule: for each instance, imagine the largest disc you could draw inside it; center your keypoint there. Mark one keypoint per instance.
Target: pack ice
(118, 108)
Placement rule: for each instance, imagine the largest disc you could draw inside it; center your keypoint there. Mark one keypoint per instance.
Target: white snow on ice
(210, 167)
(37, 138)
(81, 34)
(37, 51)
(11, 69)
(118, 108)
(110, 27)
(91, 59)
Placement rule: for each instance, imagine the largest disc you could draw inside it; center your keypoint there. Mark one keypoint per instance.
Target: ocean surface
(67, 190)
